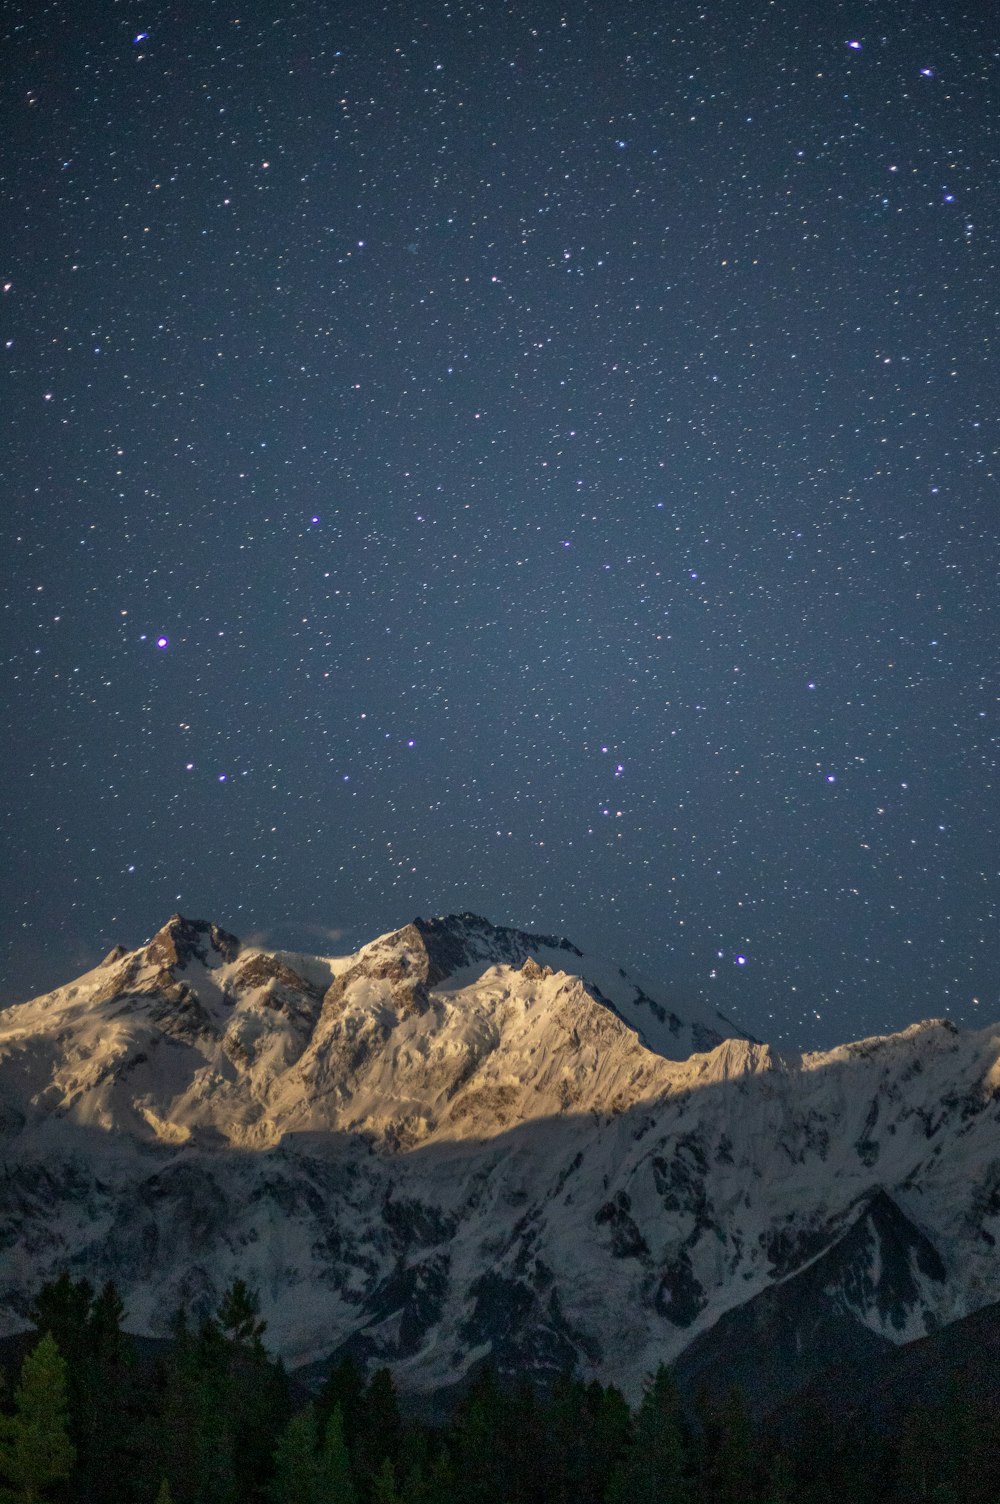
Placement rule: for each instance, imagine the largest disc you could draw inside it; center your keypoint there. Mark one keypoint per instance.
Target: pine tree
(335, 1480)
(480, 1464)
(259, 1409)
(193, 1443)
(584, 1432)
(522, 1437)
(35, 1449)
(561, 1458)
(440, 1486)
(728, 1462)
(297, 1472)
(239, 1314)
(414, 1490)
(606, 1429)
(171, 1452)
(345, 1387)
(654, 1469)
(163, 1494)
(780, 1486)
(383, 1487)
(212, 1438)
(101, 1390)
(63, 1307)
(109, 1414)
(221, 1406)
(379, 1428)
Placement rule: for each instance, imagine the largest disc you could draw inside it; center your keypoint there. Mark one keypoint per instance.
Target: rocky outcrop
(182, 941)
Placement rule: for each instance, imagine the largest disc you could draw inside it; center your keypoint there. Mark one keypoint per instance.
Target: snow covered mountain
(464, 1139)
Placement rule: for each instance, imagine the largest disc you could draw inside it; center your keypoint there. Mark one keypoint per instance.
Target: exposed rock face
(260, 970)
(877, 1283)
(466, 939)
(430, 951)
(465, 1138)
(182, 941)
(402, 961)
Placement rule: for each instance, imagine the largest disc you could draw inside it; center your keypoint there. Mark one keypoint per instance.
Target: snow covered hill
(464, 1139)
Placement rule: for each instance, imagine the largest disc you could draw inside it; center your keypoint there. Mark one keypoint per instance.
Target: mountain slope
(461, 1140)
(874, 1285)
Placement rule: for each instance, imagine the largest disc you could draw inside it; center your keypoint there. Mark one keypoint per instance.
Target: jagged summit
(457, 940)
(429, 953)
(181, 941)
(440, 1028)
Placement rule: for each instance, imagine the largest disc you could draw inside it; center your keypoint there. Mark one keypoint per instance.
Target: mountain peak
(427, 952)
(183, 940)
(453, 941)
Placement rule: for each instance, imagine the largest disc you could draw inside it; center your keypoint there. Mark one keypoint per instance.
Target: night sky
(505, 457)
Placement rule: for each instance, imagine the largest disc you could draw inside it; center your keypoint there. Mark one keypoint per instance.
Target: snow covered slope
(445, 1027)
(466, 1139)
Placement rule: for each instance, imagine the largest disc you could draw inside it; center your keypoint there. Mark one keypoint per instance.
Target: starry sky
(531, 459)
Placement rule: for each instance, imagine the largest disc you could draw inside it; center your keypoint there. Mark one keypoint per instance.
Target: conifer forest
(93, 1415)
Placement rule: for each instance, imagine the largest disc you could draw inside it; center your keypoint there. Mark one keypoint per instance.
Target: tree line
(212, 1418)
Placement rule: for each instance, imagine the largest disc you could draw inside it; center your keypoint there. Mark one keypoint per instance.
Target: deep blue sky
(558, 448)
